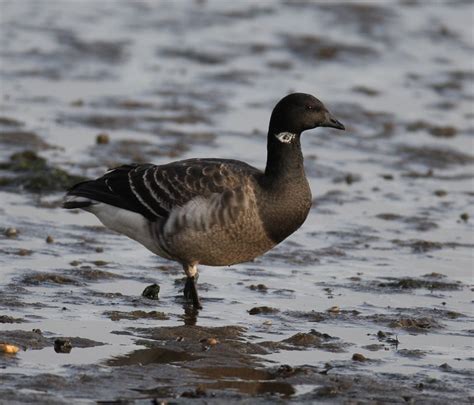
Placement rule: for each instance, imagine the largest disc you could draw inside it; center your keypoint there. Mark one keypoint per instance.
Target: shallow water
(386, 245)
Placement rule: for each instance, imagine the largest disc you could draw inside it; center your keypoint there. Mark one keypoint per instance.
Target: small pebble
(8, 349)
(445, 366)
(99, 249)
(359, 357)
(262, 310)
(11, 232)
(102, 139)
(259, 287)
(440, 193)
(334, 310)
(464, 216)
(209, 341)
(49, 239)
(443, 132)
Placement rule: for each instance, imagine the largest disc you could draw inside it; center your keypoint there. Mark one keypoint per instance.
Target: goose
(208, 211)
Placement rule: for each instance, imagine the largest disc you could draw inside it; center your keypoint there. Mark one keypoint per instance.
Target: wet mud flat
(370, 301)
(213, 364)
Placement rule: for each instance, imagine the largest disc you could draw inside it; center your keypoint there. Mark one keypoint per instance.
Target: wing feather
(154, 191)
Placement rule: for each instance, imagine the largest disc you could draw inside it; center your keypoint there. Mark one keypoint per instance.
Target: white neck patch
(285, 137)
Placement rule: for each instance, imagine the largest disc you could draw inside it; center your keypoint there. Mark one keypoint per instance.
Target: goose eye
(309, 107)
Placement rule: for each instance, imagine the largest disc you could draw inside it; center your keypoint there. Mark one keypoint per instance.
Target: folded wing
(154, 191)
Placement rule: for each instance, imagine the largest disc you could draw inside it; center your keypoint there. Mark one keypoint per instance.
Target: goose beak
(332, 122)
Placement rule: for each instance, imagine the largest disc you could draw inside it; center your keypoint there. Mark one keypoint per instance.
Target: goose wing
(154, 191)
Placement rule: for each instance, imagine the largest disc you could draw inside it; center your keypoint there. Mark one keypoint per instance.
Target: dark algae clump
(118, 315)
(263, 310)
(151, 292)
(62, 345)
(26, 170)
(414, 283)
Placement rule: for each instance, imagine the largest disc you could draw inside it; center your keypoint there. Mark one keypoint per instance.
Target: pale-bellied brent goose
(214, 212)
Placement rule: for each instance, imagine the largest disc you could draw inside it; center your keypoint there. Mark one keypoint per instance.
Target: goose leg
(190, 288)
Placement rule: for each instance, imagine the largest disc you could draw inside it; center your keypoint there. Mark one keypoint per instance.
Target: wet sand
(371, 300)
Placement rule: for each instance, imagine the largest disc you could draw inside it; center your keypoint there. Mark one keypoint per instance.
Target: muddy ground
(370, 301)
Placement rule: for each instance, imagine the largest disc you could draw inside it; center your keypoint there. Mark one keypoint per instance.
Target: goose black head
(299, 112)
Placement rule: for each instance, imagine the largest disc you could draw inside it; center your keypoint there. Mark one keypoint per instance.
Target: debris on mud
(415, 324)
(87, 274)
(334, 309)
(415, 283)
(418, 245)
(374, 347)
(387, 337)
(48, 278)
(24, 339)
(36, 340)
(414, 353)
(102, 138)
(133, 315)
(359, 357)
(113, 154)
(8, 348)
(198, 56)
(100, 263)
(11, 232)
(199, 392)
(10, 319)
(265, 310)
(290, 256)
(29, 171)
(16, 140)
(62, 345)
(435, 130)
(368, 91)
(10, 122)
(258, 287)
(23, 252)
(322, 49)
(312, 339)
(433, 156)
(348, 178)
(418, 223)
(151, 292)
(413, 321)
